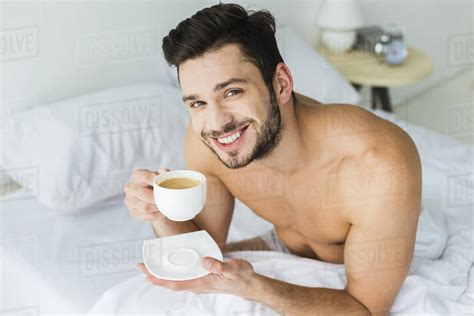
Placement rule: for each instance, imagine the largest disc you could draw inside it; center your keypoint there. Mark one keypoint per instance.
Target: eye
(196, 104)
(233, 92)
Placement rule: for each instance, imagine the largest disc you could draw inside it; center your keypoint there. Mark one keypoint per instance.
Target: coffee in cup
(180, 194)
(179, 183)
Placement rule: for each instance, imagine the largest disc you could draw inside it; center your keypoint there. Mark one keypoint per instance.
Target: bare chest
(301, 208)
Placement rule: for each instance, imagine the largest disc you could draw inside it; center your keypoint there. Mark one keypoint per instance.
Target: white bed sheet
(55, 262)
(438, 282)
(58, 262)
(441, 277)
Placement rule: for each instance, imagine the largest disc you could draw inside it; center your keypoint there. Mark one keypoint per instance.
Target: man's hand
(233, 276)
(139, 197)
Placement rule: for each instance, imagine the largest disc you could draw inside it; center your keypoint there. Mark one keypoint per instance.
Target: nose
(218, 117)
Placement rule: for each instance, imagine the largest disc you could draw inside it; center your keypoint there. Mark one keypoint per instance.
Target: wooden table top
(368, 69)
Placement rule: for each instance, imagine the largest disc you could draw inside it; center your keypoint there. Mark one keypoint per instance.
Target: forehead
(215, 67)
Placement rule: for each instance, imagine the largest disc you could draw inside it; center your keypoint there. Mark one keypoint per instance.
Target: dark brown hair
(211, 28)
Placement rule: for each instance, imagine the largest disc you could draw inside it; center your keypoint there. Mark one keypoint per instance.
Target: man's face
(231, 108)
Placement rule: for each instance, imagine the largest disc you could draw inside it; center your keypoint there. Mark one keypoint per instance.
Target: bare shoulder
(377, 161)
(358, 134)
(352, 133)
(377, 142)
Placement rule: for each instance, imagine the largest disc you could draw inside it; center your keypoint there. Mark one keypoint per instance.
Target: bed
(60, 262)
(68, 244)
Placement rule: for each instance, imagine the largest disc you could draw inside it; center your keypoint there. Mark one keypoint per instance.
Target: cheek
(250, 112)
(196, 125)
(258, 111)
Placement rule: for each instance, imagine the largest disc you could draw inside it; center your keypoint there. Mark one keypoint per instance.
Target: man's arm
(377, 254)
(380, 244)
(291, 299)
(383, 206)
(380, 196)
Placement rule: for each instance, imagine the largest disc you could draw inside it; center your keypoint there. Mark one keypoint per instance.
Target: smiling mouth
(231, 137)
(230, 141)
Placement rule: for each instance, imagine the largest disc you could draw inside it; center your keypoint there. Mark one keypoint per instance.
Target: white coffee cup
(180, 204)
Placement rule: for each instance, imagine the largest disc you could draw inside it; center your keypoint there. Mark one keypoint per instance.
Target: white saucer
(179, 257)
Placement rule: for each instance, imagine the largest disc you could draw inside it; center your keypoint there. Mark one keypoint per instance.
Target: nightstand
(366, 69)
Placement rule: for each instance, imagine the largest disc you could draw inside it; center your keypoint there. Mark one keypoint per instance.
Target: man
(339, 184)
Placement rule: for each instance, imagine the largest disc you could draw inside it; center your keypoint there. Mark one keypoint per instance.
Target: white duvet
(440, 280)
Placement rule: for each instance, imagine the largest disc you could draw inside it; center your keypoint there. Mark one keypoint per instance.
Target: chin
(239, 160)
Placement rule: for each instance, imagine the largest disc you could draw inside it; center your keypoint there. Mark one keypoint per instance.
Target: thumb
(163, 170)
(213, 265)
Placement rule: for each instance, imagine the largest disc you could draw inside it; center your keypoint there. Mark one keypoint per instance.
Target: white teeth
(229, 139)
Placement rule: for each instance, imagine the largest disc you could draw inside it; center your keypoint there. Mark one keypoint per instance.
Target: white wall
(63, 56)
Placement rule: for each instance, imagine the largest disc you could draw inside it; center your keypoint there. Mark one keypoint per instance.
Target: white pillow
(313, 76)
(84, 149)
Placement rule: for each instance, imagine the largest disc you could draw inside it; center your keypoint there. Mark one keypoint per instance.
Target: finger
(171, 285)
(214, 266)
(188, 285)
(150, 217)
(149, 276)
(140, 192)
(144, 207)
(160, 282)
(141, 266)
(198, 284)
(144, 177)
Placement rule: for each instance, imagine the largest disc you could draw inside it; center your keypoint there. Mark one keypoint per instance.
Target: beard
(268, 136)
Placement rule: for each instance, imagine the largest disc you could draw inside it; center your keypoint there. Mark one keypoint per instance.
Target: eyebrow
(217, 87)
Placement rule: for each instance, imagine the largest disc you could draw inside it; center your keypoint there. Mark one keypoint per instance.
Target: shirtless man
(340, 184)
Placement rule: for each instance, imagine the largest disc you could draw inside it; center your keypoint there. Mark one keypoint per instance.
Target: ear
(283, 83)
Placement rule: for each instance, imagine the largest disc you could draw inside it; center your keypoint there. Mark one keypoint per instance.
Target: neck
(290, 153)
